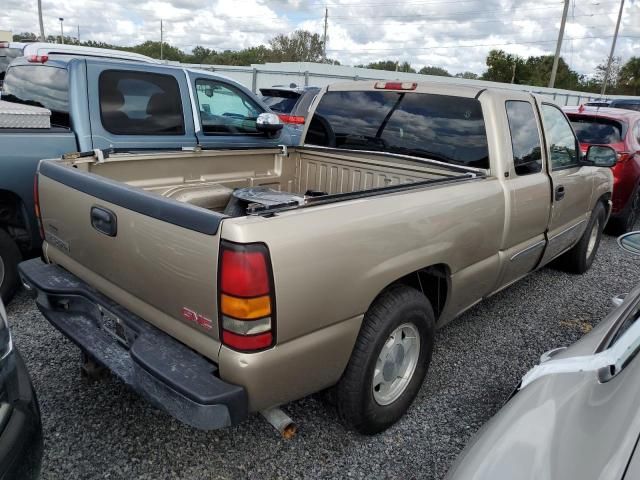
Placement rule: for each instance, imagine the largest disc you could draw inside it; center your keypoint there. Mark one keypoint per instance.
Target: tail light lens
(37, 58)
(292, 119)
(396, 85)
(624, 156)
(36, 204)
(246, 299)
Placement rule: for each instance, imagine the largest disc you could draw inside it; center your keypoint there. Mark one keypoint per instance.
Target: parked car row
(223, 264)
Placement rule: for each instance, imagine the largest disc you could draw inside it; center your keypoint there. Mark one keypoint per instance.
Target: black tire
(356, 405)
(626, 222)
(578, 259)
(9, 259)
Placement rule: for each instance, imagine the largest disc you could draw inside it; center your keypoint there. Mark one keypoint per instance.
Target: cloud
(456, 35)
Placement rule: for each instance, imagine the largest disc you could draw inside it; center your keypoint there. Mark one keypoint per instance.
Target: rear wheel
(389, 361)
(580, 257)
(9, 259)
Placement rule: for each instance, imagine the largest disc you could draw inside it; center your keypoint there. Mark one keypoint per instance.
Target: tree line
(304, 46)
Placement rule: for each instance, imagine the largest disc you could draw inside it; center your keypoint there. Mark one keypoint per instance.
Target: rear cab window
(525, 137)
(140, 103)
(438, 127)
(225, 110)
(40, 86)
(597, 130)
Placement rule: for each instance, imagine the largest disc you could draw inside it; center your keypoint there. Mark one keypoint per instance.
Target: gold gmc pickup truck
(217, 283)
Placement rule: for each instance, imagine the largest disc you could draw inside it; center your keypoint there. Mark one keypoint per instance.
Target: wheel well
(12, 216)
(433, 282)
(604, 199)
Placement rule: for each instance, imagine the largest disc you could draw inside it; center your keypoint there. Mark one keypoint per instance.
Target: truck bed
(207, 178)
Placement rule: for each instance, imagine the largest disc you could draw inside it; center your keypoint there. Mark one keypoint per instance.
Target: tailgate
(155, 256)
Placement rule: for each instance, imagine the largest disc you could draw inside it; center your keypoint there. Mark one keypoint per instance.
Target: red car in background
(619, 129)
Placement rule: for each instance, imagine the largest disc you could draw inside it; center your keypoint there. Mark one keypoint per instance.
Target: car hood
(562, 425)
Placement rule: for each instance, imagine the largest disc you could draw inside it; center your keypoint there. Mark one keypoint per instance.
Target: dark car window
(140, 103)
(597, 130)
(7, 55)
(40, 86)
(525, 138)
(280, 101)
(624, 326)
(439, 127)
(626, 104)
(225, 109)
(560, 138)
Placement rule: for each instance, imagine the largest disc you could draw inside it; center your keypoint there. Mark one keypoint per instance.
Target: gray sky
(453, 34)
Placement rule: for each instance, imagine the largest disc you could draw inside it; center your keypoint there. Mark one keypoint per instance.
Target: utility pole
(161, 39)
(42, 37)
(513, 73)
(554, 70)
(613, 47)
(324, 37)
(78, 34)
(61, 30)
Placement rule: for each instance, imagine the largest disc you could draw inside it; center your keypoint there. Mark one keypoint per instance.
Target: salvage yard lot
(102, 430)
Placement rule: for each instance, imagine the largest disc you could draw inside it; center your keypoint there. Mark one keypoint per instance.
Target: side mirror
(269, 123)
(601, 156)
(630, 242)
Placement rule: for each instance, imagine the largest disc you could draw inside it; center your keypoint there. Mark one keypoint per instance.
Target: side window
(140, 103)
(636, 132)
(225, 110)
(560, 138)
(525, 138)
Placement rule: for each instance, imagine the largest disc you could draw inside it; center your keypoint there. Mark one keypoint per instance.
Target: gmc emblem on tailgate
(195, 317)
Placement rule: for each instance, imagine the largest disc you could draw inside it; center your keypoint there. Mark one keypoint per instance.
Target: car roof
(40, 48)
(604, 112)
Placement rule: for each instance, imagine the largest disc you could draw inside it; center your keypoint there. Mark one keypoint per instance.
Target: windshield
(596, 130)
(279, 101)
(40, 86)
(438, 127)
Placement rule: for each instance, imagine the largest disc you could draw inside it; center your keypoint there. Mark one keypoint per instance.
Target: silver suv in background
(291, 104)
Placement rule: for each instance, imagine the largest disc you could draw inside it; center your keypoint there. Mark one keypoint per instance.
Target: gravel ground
(102, 430)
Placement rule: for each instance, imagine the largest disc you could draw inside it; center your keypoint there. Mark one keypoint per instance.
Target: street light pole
(613, 47)
(61, 30)
(554, 70)
(161, 39)
(42, 38)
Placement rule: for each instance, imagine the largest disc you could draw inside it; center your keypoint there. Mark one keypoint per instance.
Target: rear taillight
(396, 85)
(4, 44)
(624, 156)
(291, 119)
(36, 204)
(246, 300)
(37, 58)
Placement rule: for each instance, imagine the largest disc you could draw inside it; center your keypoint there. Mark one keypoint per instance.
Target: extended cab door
(571, 184)
(225, 115)
(527, 188)
(139, 106)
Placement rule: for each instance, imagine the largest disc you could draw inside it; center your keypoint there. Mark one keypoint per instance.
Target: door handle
(559, 192)
(104, 221)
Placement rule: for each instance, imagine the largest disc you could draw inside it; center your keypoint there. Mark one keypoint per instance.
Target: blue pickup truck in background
(104, 104)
